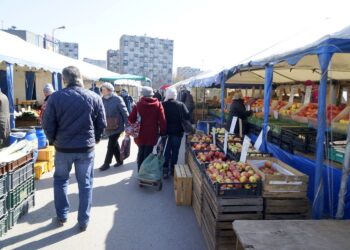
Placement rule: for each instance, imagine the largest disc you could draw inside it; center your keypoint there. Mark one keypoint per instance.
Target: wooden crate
(183, 185)
(283, 186)
(197, 190)
(218, 213)
(46, 154)
(286, 208)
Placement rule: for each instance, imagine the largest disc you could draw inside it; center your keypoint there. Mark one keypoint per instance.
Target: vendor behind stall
(238, 109)
(48, 90)
(4, 120)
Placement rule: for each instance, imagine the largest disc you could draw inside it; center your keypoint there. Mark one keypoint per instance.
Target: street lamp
(53, 36)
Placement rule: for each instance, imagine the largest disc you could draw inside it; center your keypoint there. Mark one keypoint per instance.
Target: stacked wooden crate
(45, 162)
(218, 213)
(197, 191)
(285, 195)
(183, 185)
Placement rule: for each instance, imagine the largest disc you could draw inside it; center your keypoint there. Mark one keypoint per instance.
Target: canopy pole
(222, 84)
(10, 92)
(267, 97)
(344, 179)
(318, 203)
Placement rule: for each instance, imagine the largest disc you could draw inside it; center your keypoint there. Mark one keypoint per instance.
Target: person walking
(73, 121)
(129, 102)
(174, 112)
(117, 118)
(187, 99)
(4, 120)
(47, 90)
(238, 109)
(152, 124)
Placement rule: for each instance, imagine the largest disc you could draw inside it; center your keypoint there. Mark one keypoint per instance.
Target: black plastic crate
(3, 185)
(3, 206)
(298, 137)
(3, 225)
(16, 213)
(236, 189)
(20, 193)
(287, 147)
(20, 175)
(329, 138)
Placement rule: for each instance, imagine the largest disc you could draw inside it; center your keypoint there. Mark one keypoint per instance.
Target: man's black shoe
(82, 228)
(104, 167)
(61, 221)
(118, 164)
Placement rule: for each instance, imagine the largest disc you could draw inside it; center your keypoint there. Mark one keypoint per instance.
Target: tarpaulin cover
(331, 176)
(30, 85)
(10, 93)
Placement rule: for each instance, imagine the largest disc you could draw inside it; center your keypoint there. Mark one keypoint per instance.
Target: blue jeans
(84, 172)
(171, 153)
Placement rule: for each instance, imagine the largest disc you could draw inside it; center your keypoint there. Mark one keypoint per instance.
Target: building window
(125, 54)
(142, 49)
(125, 62)
(146, 45)
(136, 44)
(125, 43)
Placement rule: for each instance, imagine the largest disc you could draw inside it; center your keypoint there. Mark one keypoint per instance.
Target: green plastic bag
(152, 167)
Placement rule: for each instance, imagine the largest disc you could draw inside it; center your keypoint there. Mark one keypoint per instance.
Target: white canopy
(17, 51)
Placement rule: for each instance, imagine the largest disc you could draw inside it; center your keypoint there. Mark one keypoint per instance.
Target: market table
(292, 234)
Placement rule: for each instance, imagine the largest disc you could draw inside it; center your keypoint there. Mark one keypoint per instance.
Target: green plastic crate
(20, 193)
(16, 213)
(3, 185)
(3, 225)
(336, 155)
(3, 206)
(20, 175)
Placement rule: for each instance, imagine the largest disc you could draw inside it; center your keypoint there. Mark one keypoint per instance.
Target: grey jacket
(115, 107)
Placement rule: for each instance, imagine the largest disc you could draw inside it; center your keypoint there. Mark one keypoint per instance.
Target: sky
(207, 34)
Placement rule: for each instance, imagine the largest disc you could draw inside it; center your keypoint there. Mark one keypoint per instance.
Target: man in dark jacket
(238, 109)
(4, 120)
(73, 121)
(153, 123)
(187, 99)
(174, 112)
(129, 102)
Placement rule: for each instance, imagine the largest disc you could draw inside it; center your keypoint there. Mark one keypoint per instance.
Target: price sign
(208, 128)
(259, 140)
(225, 142)
(292, 93)
(275, 114)
(233, 124)
(245, 147)
(248, 107)
(308, 93)
(214, 137)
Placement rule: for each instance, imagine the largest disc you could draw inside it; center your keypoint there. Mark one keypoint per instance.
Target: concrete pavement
(123, 215)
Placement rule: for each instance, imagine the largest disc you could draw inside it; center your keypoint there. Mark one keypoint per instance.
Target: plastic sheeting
(30, 85)
(10, 93)
(331, 177)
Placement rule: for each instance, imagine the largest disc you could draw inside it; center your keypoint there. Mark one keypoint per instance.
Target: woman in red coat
(152, 125)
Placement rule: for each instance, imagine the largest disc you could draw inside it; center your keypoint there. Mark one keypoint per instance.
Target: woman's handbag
(112, 123)
(186, 124)
(133, 129)
(125, 148)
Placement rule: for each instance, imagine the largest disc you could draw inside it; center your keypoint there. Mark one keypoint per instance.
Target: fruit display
(279, 105)
(218, 130)
(230, 139)
(344, 121)
(200, 138)
(269, 169)
(290, 109)
(207, 157)
(204, 147)
(333, 111)
(258, 104)
(232, 174)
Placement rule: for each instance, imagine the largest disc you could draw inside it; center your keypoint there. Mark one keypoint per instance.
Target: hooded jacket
(4, 119)
(174, 112)
(238, 109)
(74, 119)
(152, 120)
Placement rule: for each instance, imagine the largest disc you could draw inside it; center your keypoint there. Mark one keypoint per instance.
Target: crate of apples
(269, 169)
(233, 178)
(200, 138)
(207, 157)
(204, 147)
(290, 109)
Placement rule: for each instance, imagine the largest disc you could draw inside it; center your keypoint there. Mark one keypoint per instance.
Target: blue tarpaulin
(30, 85)
(3, 81)
(10, 93)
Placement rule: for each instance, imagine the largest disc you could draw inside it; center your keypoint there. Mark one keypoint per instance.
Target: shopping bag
(133, 129)
(125, 148)
(152, 167)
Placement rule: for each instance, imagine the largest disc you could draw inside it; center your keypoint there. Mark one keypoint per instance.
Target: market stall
(321, 61)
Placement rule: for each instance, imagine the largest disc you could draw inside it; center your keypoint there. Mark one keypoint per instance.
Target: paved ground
(123, 216)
